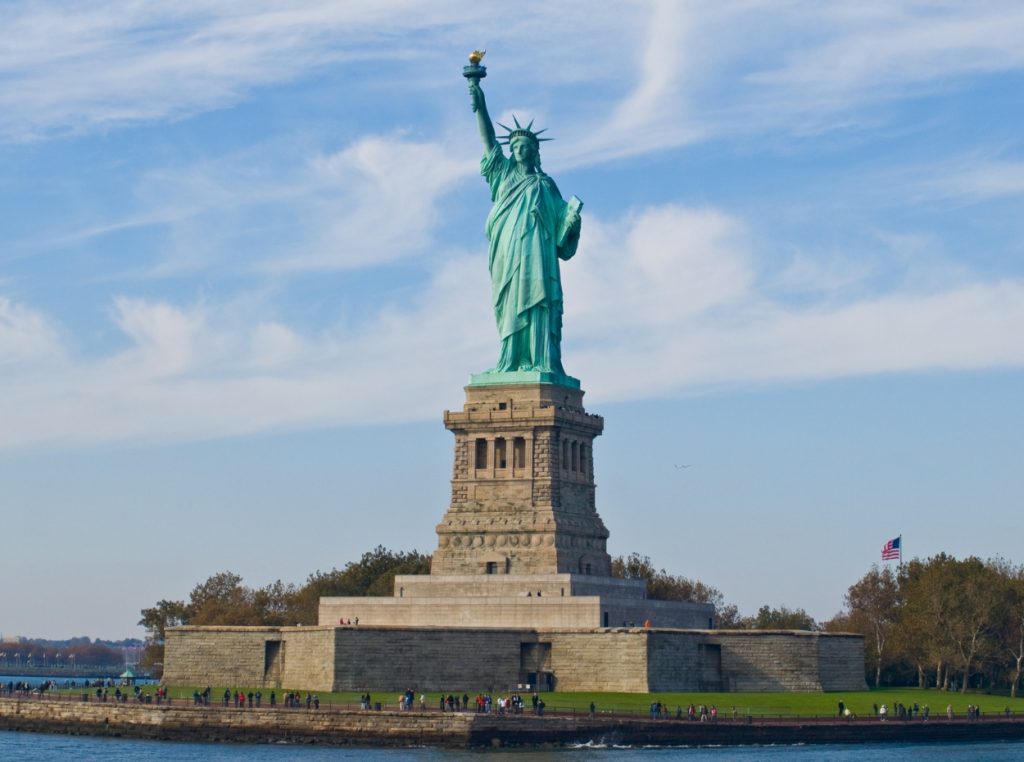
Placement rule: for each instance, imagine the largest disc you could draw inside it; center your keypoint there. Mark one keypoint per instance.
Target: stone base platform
(513, 601)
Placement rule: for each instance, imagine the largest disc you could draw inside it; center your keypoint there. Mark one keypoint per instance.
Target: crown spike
(518, 126)
(530, 126)
(508, 129)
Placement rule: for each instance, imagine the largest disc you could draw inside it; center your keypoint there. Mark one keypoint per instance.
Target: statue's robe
(526, 288)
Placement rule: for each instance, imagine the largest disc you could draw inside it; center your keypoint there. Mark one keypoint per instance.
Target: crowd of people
(254, 699)
(483, 703)
(694, 712)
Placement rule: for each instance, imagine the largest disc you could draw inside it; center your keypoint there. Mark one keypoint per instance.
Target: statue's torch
(475, 71)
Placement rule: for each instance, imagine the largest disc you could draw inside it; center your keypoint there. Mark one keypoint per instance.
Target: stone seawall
(358, 728)
(188, 723)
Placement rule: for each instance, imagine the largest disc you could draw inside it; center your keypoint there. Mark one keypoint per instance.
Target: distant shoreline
(184, 722)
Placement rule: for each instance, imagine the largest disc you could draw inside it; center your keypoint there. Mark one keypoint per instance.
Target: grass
(756, 704)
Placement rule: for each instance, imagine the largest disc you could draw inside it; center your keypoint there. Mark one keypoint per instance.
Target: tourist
(593, 708)
(883, 712)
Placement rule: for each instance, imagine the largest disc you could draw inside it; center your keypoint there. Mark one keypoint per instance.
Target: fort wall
(571, 659)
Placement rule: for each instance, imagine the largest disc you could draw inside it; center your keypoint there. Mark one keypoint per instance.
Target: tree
(782, 618)
(156, 620)
(662, 586)
(165, 614)
(874, 604)
(1010, 626)
(223, 599)
(373, 574)
(972, 618)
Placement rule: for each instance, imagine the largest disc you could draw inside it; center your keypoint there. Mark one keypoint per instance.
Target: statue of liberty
(530, 227)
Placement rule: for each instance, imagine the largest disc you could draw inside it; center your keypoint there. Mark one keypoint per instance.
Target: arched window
(481, 454)
(500, 456)
(575, 456)
(565, 454)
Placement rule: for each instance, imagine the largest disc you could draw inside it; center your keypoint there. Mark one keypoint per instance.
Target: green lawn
(756, 704)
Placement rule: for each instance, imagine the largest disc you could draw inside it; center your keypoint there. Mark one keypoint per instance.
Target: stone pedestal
(522, 485)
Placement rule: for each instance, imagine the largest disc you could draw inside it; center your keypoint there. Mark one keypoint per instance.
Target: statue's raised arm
(530, 228)
(473, 74)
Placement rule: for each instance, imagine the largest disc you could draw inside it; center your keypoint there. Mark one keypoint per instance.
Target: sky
(243, 273)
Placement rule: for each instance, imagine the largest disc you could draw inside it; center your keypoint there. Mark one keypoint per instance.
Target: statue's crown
(521, 132)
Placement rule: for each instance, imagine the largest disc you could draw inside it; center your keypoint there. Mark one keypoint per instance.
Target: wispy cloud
(971, 178)
(682, 71)
(97, 64)
(884, 47)
(379, 199)
(277, 208)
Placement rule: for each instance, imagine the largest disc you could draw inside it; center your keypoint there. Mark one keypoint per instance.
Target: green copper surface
(530, 228)
(494, 378)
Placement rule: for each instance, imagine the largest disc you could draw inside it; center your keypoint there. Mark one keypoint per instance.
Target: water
(43, 748)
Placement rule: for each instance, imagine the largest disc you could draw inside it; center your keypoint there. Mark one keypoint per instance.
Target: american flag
(891, 551)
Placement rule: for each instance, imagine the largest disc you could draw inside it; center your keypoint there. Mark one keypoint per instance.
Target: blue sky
(243, 271)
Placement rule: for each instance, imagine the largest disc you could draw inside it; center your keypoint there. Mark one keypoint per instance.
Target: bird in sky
(683, 465)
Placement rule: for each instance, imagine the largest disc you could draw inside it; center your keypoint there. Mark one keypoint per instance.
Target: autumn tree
(1009, 628)
(373, 574)
(873, 603)
(662, 586)
(781, 618)
(156, 620)
(223, 599)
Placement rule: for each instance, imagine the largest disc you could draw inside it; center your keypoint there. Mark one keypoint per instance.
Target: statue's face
(524, 152)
